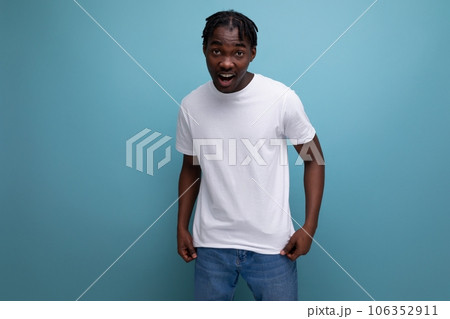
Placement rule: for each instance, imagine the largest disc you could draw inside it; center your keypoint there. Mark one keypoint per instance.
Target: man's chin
(225, 86)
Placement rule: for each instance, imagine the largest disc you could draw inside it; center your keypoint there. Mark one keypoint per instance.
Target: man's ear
(253, 53)
(204, 50)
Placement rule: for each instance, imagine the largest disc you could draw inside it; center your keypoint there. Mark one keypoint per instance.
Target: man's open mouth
(225, 78)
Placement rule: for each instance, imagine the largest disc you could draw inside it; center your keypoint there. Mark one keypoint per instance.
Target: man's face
(228, 58)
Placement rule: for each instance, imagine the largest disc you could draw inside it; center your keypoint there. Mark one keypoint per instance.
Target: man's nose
(226, 63)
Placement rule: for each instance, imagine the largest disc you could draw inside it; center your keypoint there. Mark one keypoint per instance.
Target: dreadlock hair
(246, 27)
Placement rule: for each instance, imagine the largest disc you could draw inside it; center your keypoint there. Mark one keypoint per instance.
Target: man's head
(229, 45)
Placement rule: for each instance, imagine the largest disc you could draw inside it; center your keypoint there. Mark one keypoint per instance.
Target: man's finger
(286, 250)
(294, 255)
(186, 256)
(184, 253)
(183, 256)
(192, 252)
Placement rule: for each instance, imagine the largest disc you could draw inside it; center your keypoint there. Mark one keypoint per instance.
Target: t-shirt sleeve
(296, 124)
(184, 142)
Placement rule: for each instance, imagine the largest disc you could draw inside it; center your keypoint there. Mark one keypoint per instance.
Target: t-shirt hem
(304, 140)
(266, 251)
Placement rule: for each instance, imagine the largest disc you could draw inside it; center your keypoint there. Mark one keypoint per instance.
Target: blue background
(70, 98)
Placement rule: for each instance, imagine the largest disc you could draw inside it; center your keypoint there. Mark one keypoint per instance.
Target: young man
(232, 132)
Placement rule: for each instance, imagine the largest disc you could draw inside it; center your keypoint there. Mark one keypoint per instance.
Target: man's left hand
(299, 244)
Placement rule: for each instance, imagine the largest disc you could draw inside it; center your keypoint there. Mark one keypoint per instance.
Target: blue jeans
(269, 277)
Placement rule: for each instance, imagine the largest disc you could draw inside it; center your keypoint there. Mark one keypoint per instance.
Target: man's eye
(216, 51)
(240, 53)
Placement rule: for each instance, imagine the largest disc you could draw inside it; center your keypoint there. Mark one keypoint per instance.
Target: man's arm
(188, 187)
(314, 180)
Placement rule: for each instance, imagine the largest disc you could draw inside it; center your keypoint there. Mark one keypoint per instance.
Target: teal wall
(70, 98)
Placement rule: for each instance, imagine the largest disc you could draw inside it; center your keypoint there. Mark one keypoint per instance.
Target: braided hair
(246, 27)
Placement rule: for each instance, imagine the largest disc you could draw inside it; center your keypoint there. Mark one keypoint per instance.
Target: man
(232, 132)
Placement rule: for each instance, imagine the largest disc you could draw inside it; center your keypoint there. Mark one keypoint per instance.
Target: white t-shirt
(239, 140)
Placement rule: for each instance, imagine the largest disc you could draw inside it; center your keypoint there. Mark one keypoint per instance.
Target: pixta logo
(217, 149)
(144, 145)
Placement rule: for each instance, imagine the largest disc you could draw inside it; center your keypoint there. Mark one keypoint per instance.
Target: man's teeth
(226, 75)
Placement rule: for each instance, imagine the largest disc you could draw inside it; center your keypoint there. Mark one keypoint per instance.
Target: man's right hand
(185, 246)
